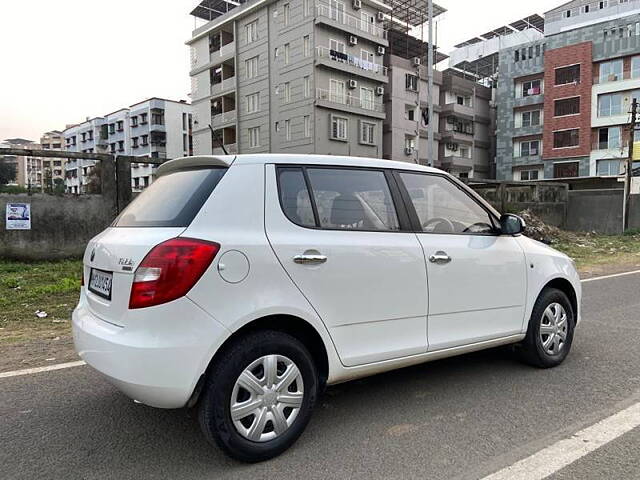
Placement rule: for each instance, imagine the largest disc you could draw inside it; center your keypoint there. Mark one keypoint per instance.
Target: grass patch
(53, 287)
(591, 250)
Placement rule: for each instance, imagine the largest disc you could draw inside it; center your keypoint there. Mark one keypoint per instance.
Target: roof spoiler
(183, 163)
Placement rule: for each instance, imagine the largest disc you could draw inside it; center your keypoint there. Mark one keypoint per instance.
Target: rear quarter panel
(233, 216)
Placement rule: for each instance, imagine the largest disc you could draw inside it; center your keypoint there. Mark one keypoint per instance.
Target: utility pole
(629, 169)
(430, 160)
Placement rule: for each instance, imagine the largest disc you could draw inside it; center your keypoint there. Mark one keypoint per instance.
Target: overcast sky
(65, 60)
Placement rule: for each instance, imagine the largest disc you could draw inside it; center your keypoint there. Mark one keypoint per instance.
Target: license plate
(100, 283)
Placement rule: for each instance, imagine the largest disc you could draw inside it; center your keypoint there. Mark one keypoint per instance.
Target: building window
(570, 74)
(610, 105)
(410, 112)
(366, 55)
(339, 128)
(253, 102)
(112, 129)
(254, 137)
(603, 4)
(367, 133)
(566, 106)
(609, 138)
(411, 82)
(287, 92)
(286, 54)
(145, 140)
(611, 71)
(251, 30)
(635, 66)
(533, 87)
(409, 142)
(566, 169)
(143, 119)
(367, 98)
(464, 100)
(608, 167)
(251, 67)
(134, 142)
(337, 46)
(121, 146)
(287, 130)
(307, 126)
(531, 118)
(112, 147)
(286, 14)
(530, 148)
(307, 86)
(566, 138)
(459, 125)
(528, 175)
(306, 44)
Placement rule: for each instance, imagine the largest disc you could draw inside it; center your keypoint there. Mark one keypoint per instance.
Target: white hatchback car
(245, 284)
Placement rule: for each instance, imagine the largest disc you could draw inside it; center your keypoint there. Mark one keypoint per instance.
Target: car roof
(277, 158)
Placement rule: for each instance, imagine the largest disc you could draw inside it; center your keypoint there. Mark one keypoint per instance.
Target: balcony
(457, 163)
(223, 86)
(356, 26)
(458, 110)
(223, 119)
(351, 64)
(346, 102)
(225, 52)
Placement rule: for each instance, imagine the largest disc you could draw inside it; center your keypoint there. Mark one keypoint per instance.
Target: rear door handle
(310, 259)
(440, 257)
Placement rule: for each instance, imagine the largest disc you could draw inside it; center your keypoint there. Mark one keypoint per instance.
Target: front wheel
(259, 395)
(550, 332)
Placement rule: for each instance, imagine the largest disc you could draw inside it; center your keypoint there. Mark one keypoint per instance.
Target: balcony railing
(349, 100)
(339, 57)
(350, 21)
(222, 118)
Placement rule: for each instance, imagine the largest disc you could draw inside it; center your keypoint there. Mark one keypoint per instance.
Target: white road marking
(564, 452)
(49, 368)
(610, 276)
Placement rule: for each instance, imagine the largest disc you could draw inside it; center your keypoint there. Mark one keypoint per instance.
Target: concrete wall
(598, 210)
(60, 226)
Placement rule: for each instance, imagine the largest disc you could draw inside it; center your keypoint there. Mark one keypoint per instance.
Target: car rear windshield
(172, 200)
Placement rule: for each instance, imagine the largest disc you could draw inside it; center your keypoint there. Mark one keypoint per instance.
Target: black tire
(215, 404)
(531, 350)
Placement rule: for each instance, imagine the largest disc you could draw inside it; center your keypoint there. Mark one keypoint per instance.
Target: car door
(338, 234)
(476, 277)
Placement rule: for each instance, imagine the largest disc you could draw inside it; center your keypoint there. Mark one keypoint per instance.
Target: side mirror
(511, 224)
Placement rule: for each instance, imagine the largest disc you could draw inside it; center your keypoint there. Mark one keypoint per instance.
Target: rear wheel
(550, 332)
(259, 395)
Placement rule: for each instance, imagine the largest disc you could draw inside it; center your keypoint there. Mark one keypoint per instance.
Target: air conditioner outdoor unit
(353, 84)
(357, 4)
(380, 50)
(353, 40)
(380, 16)
(416, 61)
(408, 150)
(379, 90)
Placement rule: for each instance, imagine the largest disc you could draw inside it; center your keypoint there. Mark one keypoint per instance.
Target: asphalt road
(458, 418)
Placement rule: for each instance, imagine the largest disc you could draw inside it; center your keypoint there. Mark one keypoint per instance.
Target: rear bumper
(158, 357)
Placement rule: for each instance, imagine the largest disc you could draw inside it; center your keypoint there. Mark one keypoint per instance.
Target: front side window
(353, 199)
(443, 207)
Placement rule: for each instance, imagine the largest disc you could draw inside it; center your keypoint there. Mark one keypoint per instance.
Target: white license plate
(100, 283)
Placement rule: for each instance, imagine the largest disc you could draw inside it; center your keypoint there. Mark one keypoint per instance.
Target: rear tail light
(170, 270)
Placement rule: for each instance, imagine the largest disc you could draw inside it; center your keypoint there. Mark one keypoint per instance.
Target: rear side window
(172, 200)
(343, 199)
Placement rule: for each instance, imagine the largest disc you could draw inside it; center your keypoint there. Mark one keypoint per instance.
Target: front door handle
(310, 259)
(440, 257)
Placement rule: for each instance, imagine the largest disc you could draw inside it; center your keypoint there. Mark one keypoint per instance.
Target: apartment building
(53, 168)
(467, 120)
(29, 173)
(156, 128)
(289, 76)
(564, 101)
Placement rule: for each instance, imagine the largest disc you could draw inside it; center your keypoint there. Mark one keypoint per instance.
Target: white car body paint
(371, 314)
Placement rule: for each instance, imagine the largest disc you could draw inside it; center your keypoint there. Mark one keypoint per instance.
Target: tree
(94, 184)
(7, 172)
